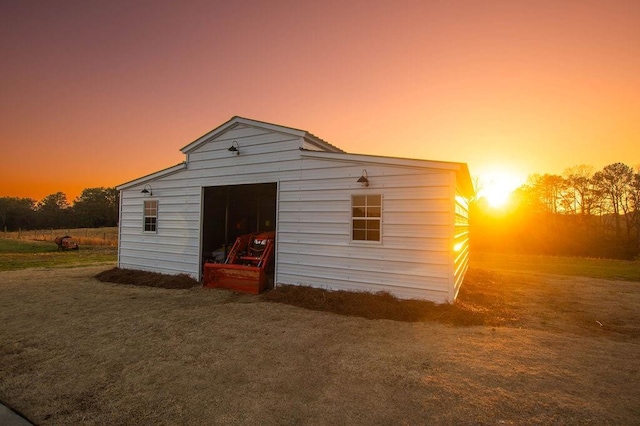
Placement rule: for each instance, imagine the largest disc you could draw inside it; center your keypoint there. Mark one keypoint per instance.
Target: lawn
(573, 266)
(22, 254)
(84, 236)
(75, 350)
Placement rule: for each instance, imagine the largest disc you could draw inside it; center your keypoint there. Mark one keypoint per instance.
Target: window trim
(354, 218)
(145, 216)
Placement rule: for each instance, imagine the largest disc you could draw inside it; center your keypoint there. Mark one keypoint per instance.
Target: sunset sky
(96, 93)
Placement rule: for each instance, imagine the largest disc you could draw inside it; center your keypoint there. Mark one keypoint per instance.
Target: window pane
(373, 225)
(150, 217)
(359, 235)
(150, 208)
(366, 211)
(150, 224)
(373, 212)
(358, 212)
(359, 224)
(358, 200)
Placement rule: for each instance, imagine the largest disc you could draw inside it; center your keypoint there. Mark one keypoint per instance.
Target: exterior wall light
(364, 179)
(147, 190)
(234, 148)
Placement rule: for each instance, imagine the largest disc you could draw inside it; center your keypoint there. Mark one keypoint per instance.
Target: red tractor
(247, 265)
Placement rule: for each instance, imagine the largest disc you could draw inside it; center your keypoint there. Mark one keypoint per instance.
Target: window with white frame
(366, 217)
(151, 216)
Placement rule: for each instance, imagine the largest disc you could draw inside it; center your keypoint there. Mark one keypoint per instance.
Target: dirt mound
(149, 279)
(476, 304)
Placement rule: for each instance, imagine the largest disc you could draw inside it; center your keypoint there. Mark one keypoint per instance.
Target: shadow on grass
(480, 301)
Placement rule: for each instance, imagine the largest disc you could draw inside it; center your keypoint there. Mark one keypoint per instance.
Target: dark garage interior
(234, 210)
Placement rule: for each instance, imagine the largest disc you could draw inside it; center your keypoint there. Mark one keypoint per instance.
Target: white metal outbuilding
(405, 233)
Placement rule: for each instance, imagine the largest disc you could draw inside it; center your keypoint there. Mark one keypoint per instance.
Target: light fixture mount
(364, 179)
(234, 148)
(147, 190)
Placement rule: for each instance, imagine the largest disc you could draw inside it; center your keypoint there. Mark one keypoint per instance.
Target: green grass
(21, 254)
(19, 246)
(576, 266)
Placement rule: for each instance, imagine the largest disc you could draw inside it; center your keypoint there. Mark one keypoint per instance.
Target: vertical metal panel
(461, 241)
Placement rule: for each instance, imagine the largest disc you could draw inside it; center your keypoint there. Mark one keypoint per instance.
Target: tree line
(93, 208)
(582, 212)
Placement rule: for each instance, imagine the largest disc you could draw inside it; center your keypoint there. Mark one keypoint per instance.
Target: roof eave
(153, 176)
(241, 120)
(320, 143)
(379, 159)
(464, 181)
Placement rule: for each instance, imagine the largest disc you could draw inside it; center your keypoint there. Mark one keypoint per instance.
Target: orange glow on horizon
(528, 87)
(497, 185)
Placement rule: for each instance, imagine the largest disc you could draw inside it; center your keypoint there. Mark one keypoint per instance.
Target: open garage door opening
(234, 211)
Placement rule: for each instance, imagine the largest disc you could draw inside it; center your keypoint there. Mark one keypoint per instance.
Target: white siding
(175, 248)
(314, 234)
(421, 222)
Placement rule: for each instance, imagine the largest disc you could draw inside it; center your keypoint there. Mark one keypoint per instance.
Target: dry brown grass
(475, 306)
(78, 351)
(82, 236)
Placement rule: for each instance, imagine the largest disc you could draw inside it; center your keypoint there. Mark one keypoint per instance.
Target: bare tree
(580, 188)
(548, 191)
(614, 181)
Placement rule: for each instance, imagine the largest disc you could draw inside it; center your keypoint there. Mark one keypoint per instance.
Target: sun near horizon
(530, 87)
(497, 184)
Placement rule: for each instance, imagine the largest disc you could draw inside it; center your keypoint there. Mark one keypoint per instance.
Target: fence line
(86, 236)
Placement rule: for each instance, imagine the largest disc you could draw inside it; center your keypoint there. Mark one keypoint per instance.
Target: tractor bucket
(246, 266)
(243, 278)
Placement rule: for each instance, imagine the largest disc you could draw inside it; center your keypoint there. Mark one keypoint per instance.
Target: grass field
(20, 254)
(573, 266)
(74, 350)
(84, 236)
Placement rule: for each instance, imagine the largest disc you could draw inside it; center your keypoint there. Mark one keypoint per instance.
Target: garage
(231, 211)
(342, 221)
